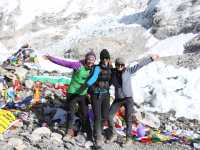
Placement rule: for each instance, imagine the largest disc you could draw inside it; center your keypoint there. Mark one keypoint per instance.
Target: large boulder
(56, 138)
(17, 143)
(190, 60)
(193, 45)
(175, 17)
(39, 132)
(21, 73)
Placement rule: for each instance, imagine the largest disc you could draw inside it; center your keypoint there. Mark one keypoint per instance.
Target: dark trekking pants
(100, 106)
(128, 103)
(73, 100)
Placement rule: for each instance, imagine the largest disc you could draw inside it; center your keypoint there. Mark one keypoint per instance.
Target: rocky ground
(30, 135)
(190, 58)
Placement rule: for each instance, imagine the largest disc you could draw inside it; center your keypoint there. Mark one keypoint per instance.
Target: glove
(155, 56)
(46, 57)
(82, 88)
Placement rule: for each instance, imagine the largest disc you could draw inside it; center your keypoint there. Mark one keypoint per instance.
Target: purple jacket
(67, 63)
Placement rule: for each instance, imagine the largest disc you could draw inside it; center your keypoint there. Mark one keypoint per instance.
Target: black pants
(100, 106)
(73, 100)
(128, 103)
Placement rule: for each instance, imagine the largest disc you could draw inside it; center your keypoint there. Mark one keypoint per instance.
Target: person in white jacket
(121, 80)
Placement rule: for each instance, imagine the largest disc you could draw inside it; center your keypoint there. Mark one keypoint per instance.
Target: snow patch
(163, 87)
(170, 46)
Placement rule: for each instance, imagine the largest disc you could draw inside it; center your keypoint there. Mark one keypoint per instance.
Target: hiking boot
(128, 141)
(99, 140)
(88, 144)
(112, 138)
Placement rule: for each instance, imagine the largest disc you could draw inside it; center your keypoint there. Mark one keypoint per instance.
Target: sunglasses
(88, 62)
(119, 65)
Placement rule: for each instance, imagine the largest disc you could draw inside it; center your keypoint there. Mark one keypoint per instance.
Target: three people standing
(95, 80)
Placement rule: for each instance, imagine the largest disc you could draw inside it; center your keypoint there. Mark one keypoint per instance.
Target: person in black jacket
(100, 96)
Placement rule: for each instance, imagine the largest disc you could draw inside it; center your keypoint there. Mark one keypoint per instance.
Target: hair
(120, 60)
(89, 54)
(26, 45)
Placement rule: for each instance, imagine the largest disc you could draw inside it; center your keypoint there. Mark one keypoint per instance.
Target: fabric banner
(51, 79)
(6, 120)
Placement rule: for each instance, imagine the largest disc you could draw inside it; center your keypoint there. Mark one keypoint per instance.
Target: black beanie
(104, 54)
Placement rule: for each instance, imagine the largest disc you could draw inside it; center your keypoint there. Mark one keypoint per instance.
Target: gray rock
(88, 144)
(56, 138)
(42, 145)
(29, 84)
(193, 45)
(175, 22)
(33, 148)
(42, 131)
(15, 142)
(1, 137)
(190, 60)
(21, 147)
(21, 73)
(69, 143)
(53, 147)
(5, 146)
(39, 132)
(80, 140)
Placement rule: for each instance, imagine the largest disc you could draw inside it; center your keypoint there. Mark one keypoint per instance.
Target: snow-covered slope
(117, 25)
(163, 88)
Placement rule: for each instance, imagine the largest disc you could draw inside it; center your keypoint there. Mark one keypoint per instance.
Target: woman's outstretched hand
(46, 56)
(155, 56)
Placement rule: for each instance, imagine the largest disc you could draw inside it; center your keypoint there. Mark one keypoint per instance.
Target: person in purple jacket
(77, 90)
